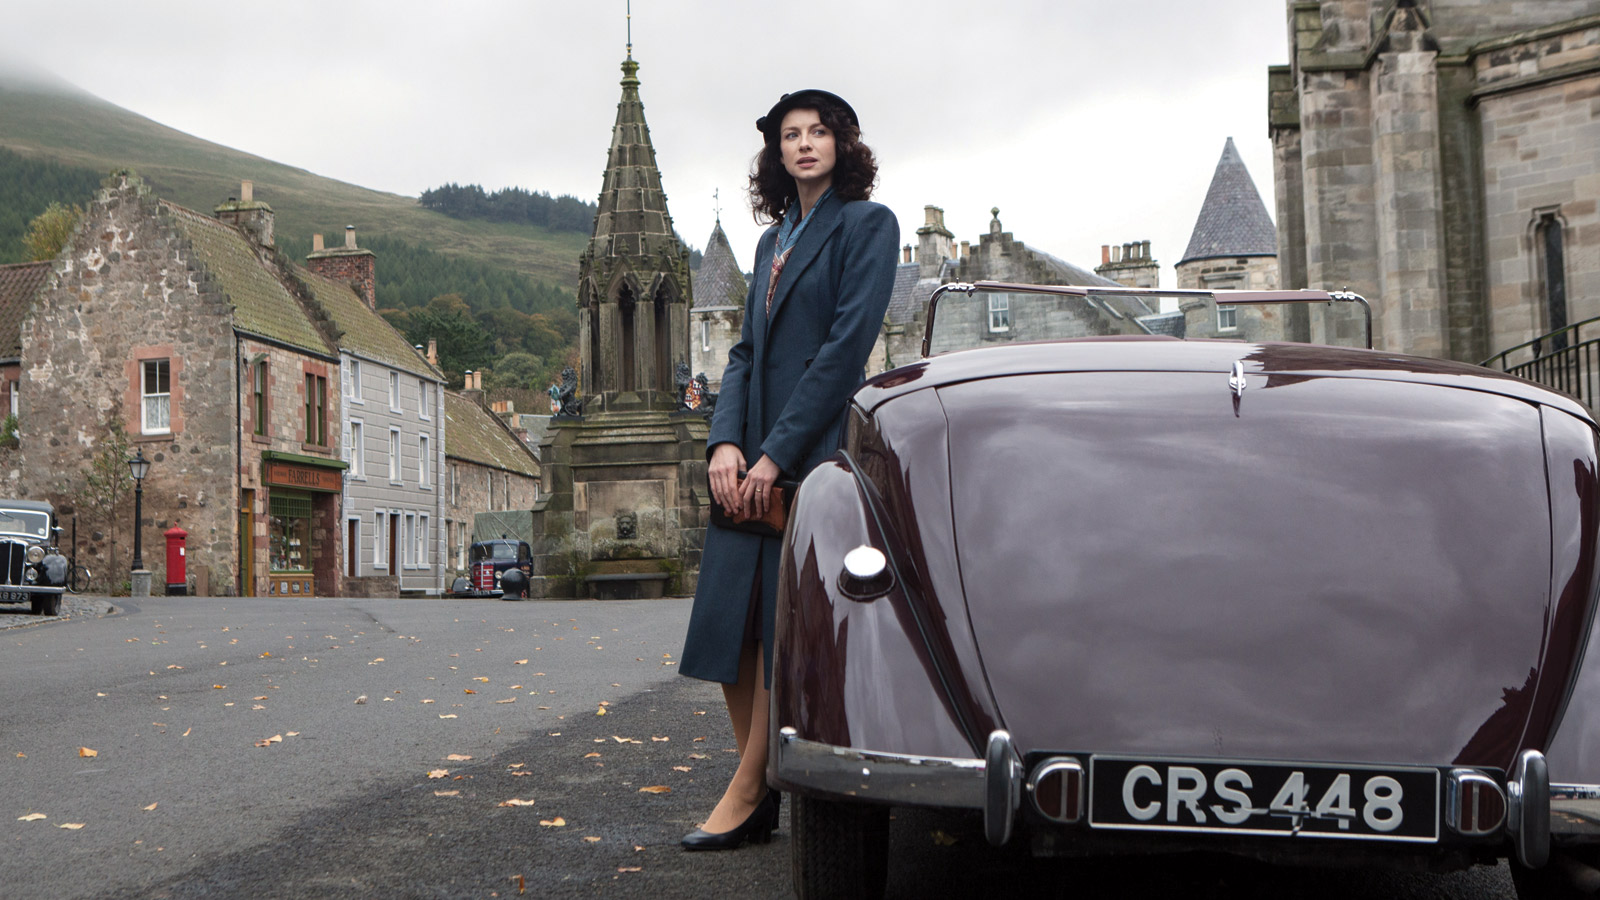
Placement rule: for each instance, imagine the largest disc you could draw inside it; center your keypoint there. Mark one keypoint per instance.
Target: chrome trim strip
(1528, 809)
(1575, 813)
(1002, 792)
(895, 778)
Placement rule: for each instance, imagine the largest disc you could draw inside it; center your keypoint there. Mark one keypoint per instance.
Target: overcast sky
(1086, 123)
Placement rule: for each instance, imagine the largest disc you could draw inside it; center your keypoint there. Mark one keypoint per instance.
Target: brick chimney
(472, 388)
(433, 352)
(250, 215)
(1129, 264)
(350, 264)
(933, 242)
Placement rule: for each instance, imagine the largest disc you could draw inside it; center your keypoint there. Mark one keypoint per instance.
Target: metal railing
(1566, 359)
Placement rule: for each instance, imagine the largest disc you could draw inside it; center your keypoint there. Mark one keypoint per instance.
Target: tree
(108, 482)
(517, 370)
(463, 343)
(50, 230)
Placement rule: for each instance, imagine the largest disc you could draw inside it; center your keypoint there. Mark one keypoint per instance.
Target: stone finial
(994, 223)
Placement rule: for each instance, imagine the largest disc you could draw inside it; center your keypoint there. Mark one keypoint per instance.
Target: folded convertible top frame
(1225, 297)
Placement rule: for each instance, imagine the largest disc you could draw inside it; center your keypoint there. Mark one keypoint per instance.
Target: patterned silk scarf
(788, 236)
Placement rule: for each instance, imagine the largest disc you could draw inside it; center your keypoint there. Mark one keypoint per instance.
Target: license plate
(1394, 803)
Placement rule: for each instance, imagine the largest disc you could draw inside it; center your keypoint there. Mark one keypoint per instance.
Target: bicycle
(78, 579)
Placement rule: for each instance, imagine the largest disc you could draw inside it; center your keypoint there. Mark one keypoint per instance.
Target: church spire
(633, 278)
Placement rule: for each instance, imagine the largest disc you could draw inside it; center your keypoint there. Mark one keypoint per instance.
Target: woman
(823, 274)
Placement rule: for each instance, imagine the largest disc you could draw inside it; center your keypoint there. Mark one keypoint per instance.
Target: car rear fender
(1566, 716)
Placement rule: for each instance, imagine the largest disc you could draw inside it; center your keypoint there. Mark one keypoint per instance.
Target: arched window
(1550, 264)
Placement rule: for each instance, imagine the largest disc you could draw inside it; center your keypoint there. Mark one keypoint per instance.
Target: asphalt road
(360, 798)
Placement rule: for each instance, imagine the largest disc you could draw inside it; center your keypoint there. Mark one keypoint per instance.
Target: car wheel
(1565, 877)
(840, 850)
(47, 604)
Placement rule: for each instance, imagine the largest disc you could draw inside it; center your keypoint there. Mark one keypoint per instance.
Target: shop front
(302, 524)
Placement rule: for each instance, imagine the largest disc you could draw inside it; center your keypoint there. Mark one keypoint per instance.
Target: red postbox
(177, 567)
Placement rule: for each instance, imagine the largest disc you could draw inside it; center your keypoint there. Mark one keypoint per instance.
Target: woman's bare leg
(749, 784)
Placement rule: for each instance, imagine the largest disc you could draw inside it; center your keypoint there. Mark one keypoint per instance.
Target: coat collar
(829, 216)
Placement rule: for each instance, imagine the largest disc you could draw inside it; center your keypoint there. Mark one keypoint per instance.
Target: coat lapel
(828, 218)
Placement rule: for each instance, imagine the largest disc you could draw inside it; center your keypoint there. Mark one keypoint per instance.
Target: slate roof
(366, 334)
(1233, 221)
(261, 304)
(477, 435)
(1132, 307)
(905, 299)
(1172, 324)
(719, 281)
(19, 283)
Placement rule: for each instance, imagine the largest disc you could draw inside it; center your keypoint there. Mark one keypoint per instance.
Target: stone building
(992, 318)
(393, 434)
(197, 338)
(1234, 247)
(1438, 156)
(718, 312)
(623, 502)
(487, 470)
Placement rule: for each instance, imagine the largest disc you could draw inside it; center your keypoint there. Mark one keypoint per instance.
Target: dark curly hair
(855, 169)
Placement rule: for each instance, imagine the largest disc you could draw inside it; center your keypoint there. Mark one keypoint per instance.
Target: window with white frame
(424, 462)
(999, 313)
(155, 391)
(356, 447)
(394, 391)
(422, 399)
(16, 394)
(379, 560)
(455, 486)
(1227, 318)
(394, 456)
(411, 540)
(422, 541)
(352, 380)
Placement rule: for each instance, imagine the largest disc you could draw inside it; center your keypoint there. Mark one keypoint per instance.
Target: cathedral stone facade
(1438, 157)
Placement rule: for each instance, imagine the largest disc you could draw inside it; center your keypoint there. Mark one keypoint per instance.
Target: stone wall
(719, 327)
(1251, 323)
(129, 283)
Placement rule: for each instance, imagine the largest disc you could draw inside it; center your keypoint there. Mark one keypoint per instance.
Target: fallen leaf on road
(482, 679)
(698, 756)
(86, 752)
(630, 868)
(555, 734)
(521, 885)
(267, 742)
(601, 711)
(151, 806)
(515, 774)
(174, 667)
(698, 739)
(292, 733)
(438, 773)
(942, 839)
(361, 699)
(516, 765)
(557, 822)
(427, 701)
(447, 793)
(376, 661)
(258, 706)
(590, 755)
(515, 687)
(458, 757)
(660, 739)
(682, 769)
(448, 716)
(520, 662)
(638, 847)
(515, 802)
(468, 691)
(186, 731)
(22, 756)
(218, 687)
(623, 740)
(264, 654)
(700, 712)
(591, 838)
(262, 697)
(32, 817)
(73, 826)
(388, 699)
(507, 700)
(544, 707)
(655, 789)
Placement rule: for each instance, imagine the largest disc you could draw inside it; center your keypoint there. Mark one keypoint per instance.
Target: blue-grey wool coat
(784, 393)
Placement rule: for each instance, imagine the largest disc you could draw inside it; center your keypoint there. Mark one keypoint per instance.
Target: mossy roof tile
(262, 304)
(476, 435)
(365, 333)
(19, 283)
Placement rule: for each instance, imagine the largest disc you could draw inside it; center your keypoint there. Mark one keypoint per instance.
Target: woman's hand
(727, 461)
(757, 485)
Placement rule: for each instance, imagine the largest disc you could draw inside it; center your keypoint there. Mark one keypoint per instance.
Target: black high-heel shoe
(757, 828)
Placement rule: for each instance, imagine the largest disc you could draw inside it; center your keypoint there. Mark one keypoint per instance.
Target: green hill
(64, 124)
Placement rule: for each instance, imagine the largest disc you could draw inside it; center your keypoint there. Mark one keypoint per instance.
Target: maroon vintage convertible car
(1302, 603)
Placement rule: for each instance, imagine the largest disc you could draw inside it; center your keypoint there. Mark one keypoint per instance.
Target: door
(394, 545)
(247, 543)
(352, 547)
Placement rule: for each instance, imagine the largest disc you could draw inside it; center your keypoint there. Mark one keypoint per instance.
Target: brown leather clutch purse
(769, 525)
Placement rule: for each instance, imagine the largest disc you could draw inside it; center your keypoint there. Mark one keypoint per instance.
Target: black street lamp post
(140, 467)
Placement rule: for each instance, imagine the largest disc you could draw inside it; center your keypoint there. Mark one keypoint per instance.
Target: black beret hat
(768, 124)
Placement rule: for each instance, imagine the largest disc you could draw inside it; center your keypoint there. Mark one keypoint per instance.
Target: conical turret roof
(633, 218)
(1233, 221)
(719, 281)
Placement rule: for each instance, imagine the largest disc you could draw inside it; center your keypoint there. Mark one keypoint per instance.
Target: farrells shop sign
(282, 474)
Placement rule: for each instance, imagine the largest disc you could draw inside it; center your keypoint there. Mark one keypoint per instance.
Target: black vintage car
(31, 570)
(488, 562)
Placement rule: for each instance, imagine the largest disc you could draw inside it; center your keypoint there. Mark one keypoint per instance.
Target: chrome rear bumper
(1540, 813)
